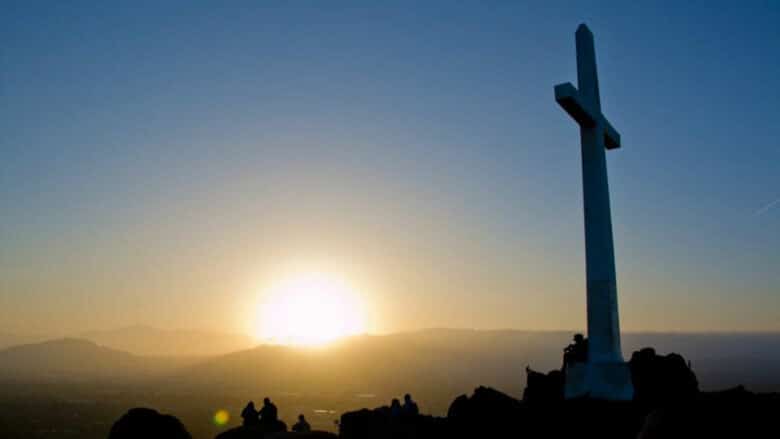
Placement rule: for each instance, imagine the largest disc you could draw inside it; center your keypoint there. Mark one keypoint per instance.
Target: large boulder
(365, 423)
(541, 387)
(661, 380)
(489, 413)
(486, 413)
(144, 423)
(379, 423)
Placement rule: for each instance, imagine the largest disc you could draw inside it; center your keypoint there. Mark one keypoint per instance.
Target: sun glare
(309, 309)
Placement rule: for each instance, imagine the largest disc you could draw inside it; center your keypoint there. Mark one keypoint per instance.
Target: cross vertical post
(605, 375)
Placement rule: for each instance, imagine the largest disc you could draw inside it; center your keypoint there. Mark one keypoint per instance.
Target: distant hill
(441, 363)
(720, 360)
(146, 340)
(76, 359)
(434, 365)
(8, 339)
(439, 358)
(437, 363)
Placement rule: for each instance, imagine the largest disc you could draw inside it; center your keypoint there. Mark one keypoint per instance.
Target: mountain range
(58, 383)
(147, 340)
(444, 360)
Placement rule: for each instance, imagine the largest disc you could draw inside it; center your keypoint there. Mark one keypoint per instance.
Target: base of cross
(603, 380)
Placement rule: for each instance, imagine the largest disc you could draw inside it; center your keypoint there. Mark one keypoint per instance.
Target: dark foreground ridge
(667, 404)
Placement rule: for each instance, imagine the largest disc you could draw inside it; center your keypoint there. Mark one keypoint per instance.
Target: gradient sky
(162, 164)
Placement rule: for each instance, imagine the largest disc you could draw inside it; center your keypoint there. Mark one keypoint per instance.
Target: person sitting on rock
(395, 408)
(410, 407)
(250, 414)
(301, 426)
(576, 352)
(268, 413)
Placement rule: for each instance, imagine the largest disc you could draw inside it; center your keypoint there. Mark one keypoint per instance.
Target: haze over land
(78, 376)
(460, 358)
(146, 340)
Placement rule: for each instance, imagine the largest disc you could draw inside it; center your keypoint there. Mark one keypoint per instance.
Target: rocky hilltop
(667, 404)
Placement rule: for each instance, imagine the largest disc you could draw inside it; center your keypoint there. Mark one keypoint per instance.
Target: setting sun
(309, 309)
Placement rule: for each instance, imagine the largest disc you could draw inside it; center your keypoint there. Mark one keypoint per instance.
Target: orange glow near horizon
(309, 309)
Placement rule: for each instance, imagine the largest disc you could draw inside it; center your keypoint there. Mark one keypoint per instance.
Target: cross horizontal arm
(611, 136)
(569, 98)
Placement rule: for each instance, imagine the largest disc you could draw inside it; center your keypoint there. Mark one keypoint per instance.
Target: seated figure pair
(269, 415)
(266, 415)
(409, 408)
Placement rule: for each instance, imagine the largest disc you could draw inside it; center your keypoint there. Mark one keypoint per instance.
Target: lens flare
(221, 417)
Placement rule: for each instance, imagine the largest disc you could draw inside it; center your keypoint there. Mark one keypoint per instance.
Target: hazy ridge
(147, 340)
(54, 384)
(453, 359)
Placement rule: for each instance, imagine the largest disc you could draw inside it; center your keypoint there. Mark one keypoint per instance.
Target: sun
(309, 309)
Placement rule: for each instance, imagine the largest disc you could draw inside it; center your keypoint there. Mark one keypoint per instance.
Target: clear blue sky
(156, 157)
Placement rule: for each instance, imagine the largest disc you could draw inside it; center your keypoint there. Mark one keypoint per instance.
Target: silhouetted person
(250, 414)
(301, 426)
(576, 352)
(410, 407)
(268, 413)
(395, 408)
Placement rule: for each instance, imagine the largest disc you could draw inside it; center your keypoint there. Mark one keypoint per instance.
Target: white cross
(584, 105)
(605, 375)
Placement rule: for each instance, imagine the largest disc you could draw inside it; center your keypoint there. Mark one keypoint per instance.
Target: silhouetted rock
(490, 413)
(459, 407)
(661, 379)
(380, 423)
(485, 413)
(259, 431)
(543, 388)
(364, 423)
(734, 413)
(306, 435)
(144, 423)
(657, 379)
